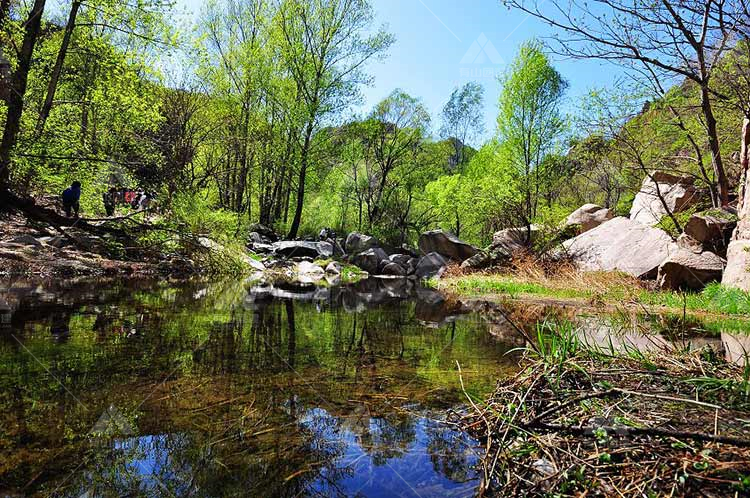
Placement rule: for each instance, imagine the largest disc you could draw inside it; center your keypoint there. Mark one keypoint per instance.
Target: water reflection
(236, 389)
(245, 389)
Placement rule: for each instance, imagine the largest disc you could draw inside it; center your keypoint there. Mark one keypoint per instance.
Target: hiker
(71, 197)
(110, 200)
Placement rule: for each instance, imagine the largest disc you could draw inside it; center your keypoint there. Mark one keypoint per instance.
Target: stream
(138, 388)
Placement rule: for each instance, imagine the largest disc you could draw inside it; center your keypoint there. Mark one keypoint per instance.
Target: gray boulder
(431, 265)
(300, 249)
(685, 269)
(358, 242)
(506, 244)
(393, 270)
(447, 245)
(369, 260)
(309, 272)
(621, 244)
(588, 217)
(679, 193)
(265, 232)
(401, 259)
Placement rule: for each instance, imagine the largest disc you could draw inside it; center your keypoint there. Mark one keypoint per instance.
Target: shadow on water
(244, 389)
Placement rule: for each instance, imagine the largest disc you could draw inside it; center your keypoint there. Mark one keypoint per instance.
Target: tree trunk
(4, 10)
(19, 81)
(57, 70)
(713, 144)
(304, 156)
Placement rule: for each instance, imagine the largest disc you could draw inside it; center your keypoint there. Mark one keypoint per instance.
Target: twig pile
(591, 424)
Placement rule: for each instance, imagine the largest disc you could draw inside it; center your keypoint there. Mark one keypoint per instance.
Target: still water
(237, 389)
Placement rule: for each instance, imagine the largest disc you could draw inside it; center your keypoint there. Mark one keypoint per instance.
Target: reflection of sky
(410, 473)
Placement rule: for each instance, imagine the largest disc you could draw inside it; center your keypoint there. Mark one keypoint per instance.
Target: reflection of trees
(388, 437)
(448, 452)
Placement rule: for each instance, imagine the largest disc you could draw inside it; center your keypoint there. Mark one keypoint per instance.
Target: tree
(18, 84)
(530, 123)
(462, 118)
(659, 42)
(325, 50)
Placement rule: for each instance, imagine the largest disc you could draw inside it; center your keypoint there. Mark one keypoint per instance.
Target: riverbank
(604, 422)
(564, 284)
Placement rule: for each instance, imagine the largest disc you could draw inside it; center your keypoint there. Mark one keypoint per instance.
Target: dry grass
(578, 422)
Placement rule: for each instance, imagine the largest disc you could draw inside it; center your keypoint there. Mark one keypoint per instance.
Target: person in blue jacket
(71, 197)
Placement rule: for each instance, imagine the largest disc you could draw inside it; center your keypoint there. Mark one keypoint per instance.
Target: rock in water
(678, 193)
(621, 244)
(300, 249)
(369, 260)
(431, 265)
(588, 217)
(447, 245)
(358, 242)
(684, 269)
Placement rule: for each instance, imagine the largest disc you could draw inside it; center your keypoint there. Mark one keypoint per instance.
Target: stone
(334, 268)
(26, 240)
(431, 265)
(686, 242)
(358, 242)
(309, 272)
(369, 260)
(621, 244)
(712, 230)
(679, 193)
(393, 270)
(446, 244)
(264, 231)
(506, 244)
(588, 217)
(401, 259)
(253, 263)
(737, 271)
(293, 248)
(685, 269)
(256, 238)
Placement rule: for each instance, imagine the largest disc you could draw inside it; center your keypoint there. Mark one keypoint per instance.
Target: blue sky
(441, 44)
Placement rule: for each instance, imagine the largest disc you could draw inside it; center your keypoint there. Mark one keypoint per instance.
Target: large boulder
(621, 244)
(358, 242)
(678, 192)
(302, 249)
(506, 244)
(712, 230)
(588, 217)
(393, 270)
(685, 269)
(737, 272)
(369, 260)
(447, 245)
(265, 232)
(309, 272)
(431, 265)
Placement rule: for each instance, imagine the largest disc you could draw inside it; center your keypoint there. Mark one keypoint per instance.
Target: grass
(599, 287)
